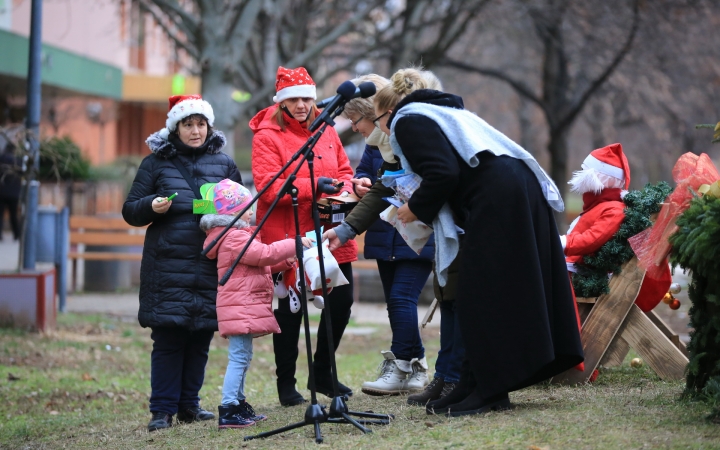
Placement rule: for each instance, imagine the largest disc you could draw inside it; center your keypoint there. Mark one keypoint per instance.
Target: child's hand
(307, 242)
(291, 260)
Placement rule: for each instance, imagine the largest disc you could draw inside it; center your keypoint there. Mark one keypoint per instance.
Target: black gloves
(325, 186)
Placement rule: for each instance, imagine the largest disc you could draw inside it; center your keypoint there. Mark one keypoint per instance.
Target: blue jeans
(402, 282)
(240, 353)
(177, 368)
(452, 349)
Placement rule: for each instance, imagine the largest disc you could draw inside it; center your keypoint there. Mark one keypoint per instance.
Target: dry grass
(68, 390)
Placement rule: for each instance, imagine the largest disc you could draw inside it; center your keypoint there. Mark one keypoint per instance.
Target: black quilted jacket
(178, 286)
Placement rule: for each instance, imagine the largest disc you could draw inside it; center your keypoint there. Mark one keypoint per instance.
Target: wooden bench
(612, 323)
(363, 264)
(102, 231)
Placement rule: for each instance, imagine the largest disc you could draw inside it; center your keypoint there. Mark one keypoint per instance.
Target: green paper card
(203, 207)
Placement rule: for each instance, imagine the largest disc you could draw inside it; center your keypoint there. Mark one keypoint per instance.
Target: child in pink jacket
(244, 303)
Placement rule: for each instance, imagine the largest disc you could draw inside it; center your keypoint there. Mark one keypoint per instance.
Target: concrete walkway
(126, 305)
(363, 312)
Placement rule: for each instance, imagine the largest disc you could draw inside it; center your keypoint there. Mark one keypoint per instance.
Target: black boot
(231, 417)
(285, 346)
(194, 414)
(475, 404)
(463, 388)
(159, 421)
(433, 391)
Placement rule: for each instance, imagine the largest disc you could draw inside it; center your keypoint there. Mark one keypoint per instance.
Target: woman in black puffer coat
(178, 286)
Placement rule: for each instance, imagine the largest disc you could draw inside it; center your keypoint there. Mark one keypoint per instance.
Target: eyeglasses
(376, 120)
(357, 121)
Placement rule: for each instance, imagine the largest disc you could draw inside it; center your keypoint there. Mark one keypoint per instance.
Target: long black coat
(178, 286)
(514, 302)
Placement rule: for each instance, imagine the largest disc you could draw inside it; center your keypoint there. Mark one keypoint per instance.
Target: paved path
(126, 304)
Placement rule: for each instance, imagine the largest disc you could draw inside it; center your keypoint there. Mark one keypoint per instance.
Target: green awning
(60, 68)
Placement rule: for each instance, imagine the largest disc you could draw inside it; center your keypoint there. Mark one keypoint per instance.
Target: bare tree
(576, 45)
(239, 44)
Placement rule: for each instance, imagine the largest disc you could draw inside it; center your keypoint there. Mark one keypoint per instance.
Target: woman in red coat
(280, 130)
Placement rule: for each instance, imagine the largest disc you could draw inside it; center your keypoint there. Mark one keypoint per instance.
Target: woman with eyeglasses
(514, 303)
(362, 218)
(403, 272)
(280, 131)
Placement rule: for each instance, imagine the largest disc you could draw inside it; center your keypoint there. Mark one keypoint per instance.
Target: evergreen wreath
(696, 246)
(591, 279)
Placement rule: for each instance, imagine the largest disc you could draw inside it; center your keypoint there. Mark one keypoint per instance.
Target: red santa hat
(182, 106)
(610, 160)
(293, 83)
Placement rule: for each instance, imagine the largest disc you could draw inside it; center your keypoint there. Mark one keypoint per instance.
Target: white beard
(590, 180)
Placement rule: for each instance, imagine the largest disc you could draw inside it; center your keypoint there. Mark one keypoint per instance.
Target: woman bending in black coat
(178, 286)
(514, 302)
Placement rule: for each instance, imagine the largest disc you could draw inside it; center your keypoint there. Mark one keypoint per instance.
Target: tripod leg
(371, 415)
(318, 434)
(356, 423)
(279, 430)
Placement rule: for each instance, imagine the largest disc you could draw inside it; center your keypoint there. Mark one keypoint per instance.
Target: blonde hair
(404, 82)
(280, 119)
(364, 106)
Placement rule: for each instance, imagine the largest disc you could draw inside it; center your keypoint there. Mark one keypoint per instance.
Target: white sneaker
(418, 379)
(392, 379)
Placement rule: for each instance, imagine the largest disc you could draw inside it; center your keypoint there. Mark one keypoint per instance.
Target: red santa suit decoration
(603, 183)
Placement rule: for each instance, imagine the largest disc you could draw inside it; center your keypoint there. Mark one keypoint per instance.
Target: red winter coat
(601, 219)
(271, 148)
(244, 303)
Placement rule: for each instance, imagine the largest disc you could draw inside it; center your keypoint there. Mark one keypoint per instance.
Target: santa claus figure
(603, 182)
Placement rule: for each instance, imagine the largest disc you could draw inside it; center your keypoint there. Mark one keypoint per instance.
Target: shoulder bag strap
(184, 172)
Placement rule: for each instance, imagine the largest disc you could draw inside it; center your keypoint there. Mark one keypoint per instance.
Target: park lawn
(86, 385)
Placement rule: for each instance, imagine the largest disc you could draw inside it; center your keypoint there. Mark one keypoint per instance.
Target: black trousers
(177, 369)
(285, 344)
(12, 205)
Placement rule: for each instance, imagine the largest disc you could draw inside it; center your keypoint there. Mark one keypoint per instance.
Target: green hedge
(696, 246)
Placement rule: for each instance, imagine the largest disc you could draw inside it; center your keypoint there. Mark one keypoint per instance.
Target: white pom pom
(319, 302)
(164, 133)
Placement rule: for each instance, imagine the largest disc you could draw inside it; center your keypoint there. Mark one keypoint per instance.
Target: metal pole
(32, 124)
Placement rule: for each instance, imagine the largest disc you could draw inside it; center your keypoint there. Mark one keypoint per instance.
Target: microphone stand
(315, 414)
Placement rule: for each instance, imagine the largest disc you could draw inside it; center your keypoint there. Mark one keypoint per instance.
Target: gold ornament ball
(667, 298)
(636, 363)
(675, 288)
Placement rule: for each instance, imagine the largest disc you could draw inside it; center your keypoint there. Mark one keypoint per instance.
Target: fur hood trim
(210, 221)
(159, 144)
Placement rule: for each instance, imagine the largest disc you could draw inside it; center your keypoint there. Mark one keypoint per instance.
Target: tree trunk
(557, 147)
(527, 135)
(217, 89)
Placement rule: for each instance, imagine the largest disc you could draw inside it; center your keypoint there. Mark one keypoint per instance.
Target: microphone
(364, 90)
(346, 92)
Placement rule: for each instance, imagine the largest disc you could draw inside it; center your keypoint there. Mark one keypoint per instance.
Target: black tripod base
(316, 414)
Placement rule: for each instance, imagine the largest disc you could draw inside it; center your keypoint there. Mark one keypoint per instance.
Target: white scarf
(469, 135)
(382, 141)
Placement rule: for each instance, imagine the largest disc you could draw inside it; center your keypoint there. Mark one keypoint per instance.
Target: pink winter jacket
(244, 304)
